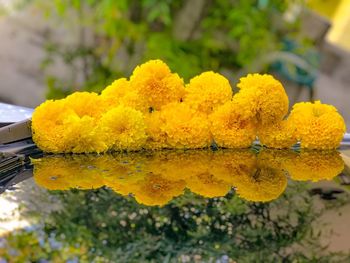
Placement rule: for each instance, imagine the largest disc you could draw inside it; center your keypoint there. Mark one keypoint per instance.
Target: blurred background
(49, 49)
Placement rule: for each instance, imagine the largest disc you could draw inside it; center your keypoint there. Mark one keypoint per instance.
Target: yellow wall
(338, 11)
(325, 8)
(340, 30)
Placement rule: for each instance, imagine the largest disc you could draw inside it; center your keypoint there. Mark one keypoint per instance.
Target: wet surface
(249, 205)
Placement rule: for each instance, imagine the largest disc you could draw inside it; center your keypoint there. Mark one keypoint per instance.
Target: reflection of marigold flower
(208, 91)
(315, 165)
(277, 135)
(65, 172)
(208, 185)
(155, 189)
(124, 128)
(175, 165)
(188, 129)
(318, 126)
(121, 164)
(229, 129)
(228, 164)
(50, 174)
(268, 94)
(263, 184)
(275, 158)
(155, 178)
(120, 92)
(125, 178)
(154, 81)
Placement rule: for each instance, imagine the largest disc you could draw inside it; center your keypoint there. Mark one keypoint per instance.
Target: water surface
(254, 205)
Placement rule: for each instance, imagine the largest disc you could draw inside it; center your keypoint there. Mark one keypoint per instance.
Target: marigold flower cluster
(155, 109)
(318, 126)
(157, 177)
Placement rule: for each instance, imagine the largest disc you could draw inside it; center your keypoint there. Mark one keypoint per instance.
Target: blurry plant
(110, 227)
(105, 39)
(33, 245)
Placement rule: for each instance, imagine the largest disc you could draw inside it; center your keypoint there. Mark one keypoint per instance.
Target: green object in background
(112, 37)
(295, 73)
(263, 3)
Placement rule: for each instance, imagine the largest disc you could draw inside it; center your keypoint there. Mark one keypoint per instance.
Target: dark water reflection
(192, 206)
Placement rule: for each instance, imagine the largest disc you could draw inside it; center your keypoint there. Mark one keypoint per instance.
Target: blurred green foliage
(32, 245)
(102, 226)
(106, 39)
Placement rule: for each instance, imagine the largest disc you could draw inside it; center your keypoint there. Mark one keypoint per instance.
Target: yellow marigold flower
(230, 129)
(277, 135)
(69, 125)
(123, 128)
(246, 103)
(269, 95)
(155, 189)
(48, 125)
(184, 127)
(208, 185)
(113, 92)
(154, 81)
(85, 104)
(315, 165)
(81, 135)
(66, 172)
(318, 126)
(261, 184)
(121, 92)
(156, 136)
(207, 91)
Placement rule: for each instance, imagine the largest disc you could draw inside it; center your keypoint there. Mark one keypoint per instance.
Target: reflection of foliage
(117, 228)
(32, 246)
(113, 36)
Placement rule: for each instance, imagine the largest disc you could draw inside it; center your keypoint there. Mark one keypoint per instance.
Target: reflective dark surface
(254, 205)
